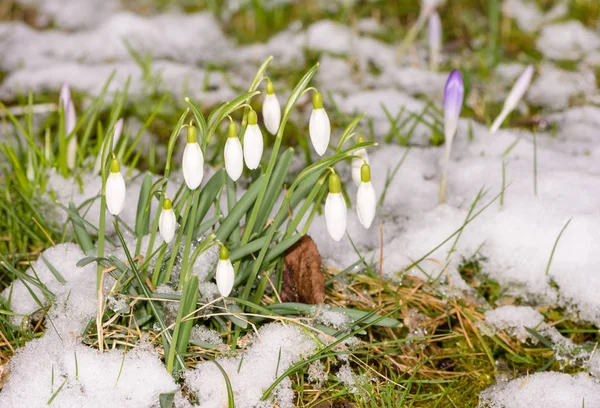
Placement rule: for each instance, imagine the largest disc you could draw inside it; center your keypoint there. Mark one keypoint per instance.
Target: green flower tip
(317, 100)
(361, 139)
(365, 173)
(232, 130)
(223, 253)
(270, 88)
(335, 185)
(252, 118)
(192, 136)
(115, 166)
(167, 204)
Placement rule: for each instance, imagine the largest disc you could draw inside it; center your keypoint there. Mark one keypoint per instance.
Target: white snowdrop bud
(366, 200)
(335, 209)
(70, 122)
(234, 157)
(167, 222)
(319, 127)
(361, 157)
(115, 188)
(193, 160)
(224, 275)
(513, 98)
(271, 110)
(253, 142)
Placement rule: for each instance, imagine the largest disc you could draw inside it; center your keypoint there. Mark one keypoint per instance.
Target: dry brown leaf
(303, 280)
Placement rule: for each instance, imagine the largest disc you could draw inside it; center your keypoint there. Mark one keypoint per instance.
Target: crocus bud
(435, 40)
(253, 142)
(513, 98)
(115, 188)
(234, 157)
(224, 275)
(453, 100)
(167, 222)
(271, 110)
(319, 127)
(70, 121)
(361, 157)
(366, 201)
(193, 160)
(335, 209)
(116, 136)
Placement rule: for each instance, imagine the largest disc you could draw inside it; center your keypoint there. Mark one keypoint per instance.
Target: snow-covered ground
(551, 178)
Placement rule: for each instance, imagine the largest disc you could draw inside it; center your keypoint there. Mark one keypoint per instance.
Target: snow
(568, 40)
(514, 319)
(251, 372)
(553, 88)
(548, 390)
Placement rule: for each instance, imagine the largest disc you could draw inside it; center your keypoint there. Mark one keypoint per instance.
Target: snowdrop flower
(513, 98)
(366, 201)
(115, 188)
(271, 110)
(234, 158)
(335, 209)
(357, 162)
(253, 142)
(167, 222)
(453, 100)
(116, 136)
(224, 275)
(193, 160)
(435, 40)
(70, 121)
(319, 127)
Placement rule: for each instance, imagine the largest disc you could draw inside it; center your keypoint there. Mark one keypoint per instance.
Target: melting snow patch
(567, 41)
(514, 319)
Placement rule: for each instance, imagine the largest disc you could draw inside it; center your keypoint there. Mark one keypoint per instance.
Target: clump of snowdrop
(224, 275)
(513, 98)
(234, 158)
(66, 103)
(360, 157)
(271, 110)
(253, 142)
(319, 127)
(366, 200)
(193, 160)
(435, 40)
(115, 188)
(335, 209)
(167, 222)
(453, 101)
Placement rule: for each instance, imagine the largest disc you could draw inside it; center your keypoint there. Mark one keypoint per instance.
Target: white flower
(319, 127)
(224, 275)
(513, 98)
(70, 122)
(167, 222)
(115, 189)
(366, 200)
(271, 110)
(335, 209)
(193, 161)
(234, 157)
(253, 142)
(357, 162)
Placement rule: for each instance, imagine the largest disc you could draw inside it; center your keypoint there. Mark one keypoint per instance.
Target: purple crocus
(453, 99)
(435, 40)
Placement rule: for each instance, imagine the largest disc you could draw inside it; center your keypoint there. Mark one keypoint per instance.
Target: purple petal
(453, 100)
(435, 30)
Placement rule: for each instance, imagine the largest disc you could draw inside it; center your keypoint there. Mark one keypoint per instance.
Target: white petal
(357, 164)
(366, 203)
(225, 277)
(115, 193)
(167, 223)
(319, 129)
(271, 111)
(193, 165)
(234, 158)
(335, 215)
(72, 152)
(513, 98)
(253, 146)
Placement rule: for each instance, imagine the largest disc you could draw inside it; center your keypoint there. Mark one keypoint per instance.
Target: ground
(488, 299)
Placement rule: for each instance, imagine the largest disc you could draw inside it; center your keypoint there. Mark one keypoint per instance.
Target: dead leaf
(339, 404)
(303, 280)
